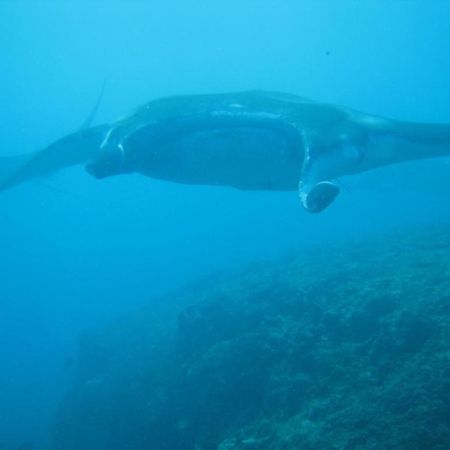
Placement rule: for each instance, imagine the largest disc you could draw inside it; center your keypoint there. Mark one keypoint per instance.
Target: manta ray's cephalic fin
(315, 192)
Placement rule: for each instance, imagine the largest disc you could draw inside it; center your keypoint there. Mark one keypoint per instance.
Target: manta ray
(254, 140)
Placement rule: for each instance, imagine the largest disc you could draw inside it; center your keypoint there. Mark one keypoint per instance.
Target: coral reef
(346, 346)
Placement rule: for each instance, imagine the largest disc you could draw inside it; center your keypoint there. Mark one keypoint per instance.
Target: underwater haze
(79, 254)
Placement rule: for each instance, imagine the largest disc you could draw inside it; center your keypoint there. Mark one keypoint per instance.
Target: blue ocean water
(77, 253)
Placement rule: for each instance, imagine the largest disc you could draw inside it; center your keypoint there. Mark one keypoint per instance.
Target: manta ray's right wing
(10, 166)
(76, 148)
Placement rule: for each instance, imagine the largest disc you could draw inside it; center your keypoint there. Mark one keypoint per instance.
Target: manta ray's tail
(76, 148)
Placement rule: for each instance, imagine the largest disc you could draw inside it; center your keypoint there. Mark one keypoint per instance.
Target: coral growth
(343, 347)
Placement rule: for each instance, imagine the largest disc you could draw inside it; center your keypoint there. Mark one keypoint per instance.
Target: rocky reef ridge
(340, 347)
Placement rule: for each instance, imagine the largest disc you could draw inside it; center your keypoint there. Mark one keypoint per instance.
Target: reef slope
(339, 347)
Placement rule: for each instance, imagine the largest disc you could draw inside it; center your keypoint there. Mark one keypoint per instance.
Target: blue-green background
(76, 253)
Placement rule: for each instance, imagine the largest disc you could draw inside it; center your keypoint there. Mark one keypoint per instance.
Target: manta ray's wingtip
(10, 168)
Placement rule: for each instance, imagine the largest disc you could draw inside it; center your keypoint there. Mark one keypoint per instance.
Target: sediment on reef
(342, 347)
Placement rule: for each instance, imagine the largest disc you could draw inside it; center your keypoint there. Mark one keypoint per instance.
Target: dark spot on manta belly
(245, 157)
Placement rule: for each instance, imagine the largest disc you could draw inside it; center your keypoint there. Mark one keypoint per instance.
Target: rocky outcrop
(343, 347)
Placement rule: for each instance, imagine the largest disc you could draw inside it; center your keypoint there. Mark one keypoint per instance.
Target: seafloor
(334, 347)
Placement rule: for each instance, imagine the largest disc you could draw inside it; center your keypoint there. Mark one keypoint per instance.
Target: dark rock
(344, 349)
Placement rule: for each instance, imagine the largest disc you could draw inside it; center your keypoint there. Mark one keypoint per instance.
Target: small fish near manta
(253, 140)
